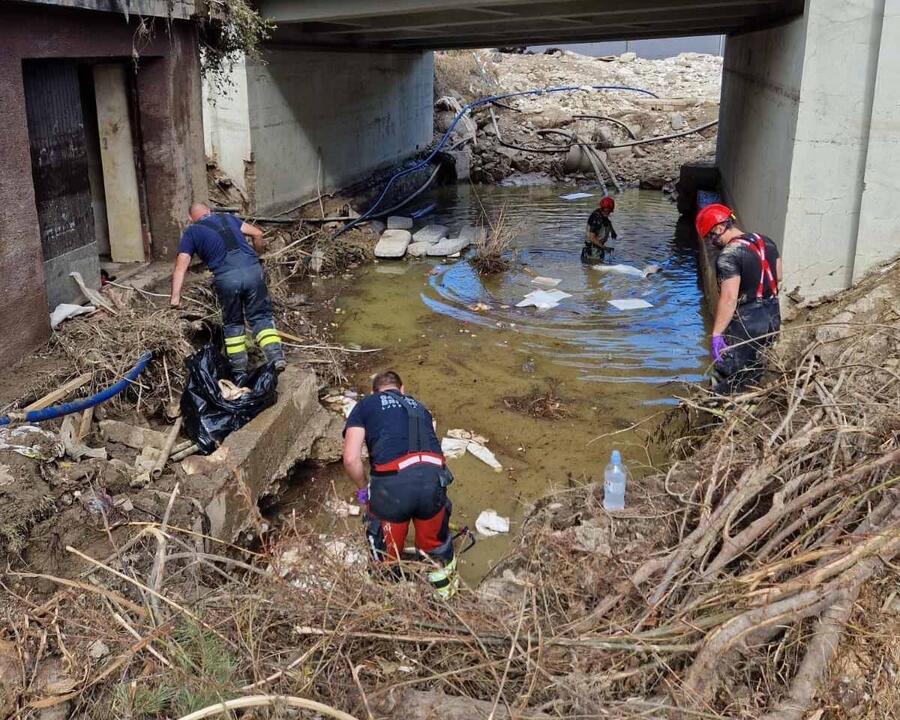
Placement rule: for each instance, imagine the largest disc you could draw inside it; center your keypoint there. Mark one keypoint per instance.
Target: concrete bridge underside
(809, 139)
(435, 24)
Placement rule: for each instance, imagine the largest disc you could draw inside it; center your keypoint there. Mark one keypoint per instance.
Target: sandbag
(208, 417)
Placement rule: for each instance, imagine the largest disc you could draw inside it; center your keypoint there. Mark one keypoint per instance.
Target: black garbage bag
(208, 418)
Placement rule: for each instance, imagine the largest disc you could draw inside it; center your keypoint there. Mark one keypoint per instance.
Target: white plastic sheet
(630, 304)
(575, 196)
(548, 283)
(543, 299)
(489, 523)
(626, 270)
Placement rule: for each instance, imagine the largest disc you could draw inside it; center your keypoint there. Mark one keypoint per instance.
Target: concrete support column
(879, 214)
(169, 90)
(226, 128)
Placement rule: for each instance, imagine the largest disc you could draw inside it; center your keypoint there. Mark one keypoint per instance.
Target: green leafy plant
(231, 31)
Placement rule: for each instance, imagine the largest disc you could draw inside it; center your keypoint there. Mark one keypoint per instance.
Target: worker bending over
(748, 317)
(599, 230)
(409, 478)
(219, 239)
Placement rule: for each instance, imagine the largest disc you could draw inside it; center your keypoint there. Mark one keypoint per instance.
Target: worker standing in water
(748, 317)
(409, 478)
(599, 230)
(220, 239)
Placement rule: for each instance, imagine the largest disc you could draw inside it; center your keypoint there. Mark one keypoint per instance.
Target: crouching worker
(220, 240)
(599, 230)
(409, 478)
(748, 317)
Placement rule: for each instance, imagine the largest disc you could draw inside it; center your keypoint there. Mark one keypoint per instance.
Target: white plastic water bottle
(614, 478)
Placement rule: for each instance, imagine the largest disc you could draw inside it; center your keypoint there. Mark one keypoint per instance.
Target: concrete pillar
(321, 118)
(879, 214)
(801, 121)
(226, 127)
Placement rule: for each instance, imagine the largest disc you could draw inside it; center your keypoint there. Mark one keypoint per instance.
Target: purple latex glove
(362, 496)
(717, 347)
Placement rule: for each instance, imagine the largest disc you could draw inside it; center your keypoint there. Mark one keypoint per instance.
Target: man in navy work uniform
(219, 239)
(748, 316)
(409, 478)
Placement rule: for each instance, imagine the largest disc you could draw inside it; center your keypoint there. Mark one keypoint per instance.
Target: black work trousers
(752, 329)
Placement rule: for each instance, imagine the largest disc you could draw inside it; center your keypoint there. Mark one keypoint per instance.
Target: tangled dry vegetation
(755, 579)
(546, 403)
(494, 243)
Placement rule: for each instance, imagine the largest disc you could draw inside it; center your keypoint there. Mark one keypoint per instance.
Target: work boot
(444, 580)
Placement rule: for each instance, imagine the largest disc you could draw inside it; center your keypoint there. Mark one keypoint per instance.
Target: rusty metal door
(59, 162)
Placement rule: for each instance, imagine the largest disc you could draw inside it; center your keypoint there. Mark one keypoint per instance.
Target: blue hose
(466, 108)
(78, 405)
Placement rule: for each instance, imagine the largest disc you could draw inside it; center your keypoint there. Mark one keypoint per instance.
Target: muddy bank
(526, 135)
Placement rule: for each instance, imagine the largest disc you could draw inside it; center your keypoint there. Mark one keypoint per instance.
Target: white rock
(393, 244)
(489, 523)
(676, 120)
(430, 234)
(398, 222)
(447, 247)
(418, 249)
(628, 57)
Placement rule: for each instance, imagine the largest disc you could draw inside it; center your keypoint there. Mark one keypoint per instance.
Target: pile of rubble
(543, 133)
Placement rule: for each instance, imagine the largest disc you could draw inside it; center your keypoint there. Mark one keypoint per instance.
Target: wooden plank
(58, 394)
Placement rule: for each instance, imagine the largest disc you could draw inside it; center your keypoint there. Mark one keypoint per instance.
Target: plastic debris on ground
(630, 304)
(65, 311)
(627, 270)
(459, 441)
(73, 447)
(543, 299)
(340, 508)
(453, 447)
(548, 283)
(31, 442)
(208, 417)
(489, 523)
(485, 455)
(575, 196)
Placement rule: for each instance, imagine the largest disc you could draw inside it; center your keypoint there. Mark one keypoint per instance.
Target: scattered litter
(485, 455)
(479, 307)
(575, 196)
(339, 550)
(460, 434)
(31, 442)
(489, 523)
(76, 450)
(543, 299)
(94, 297)
(630, 304)
(339, 507)
(230, 391)
(98, 649)
(65, 311)
(96, 502)
(453, 447)
(546, 282)
(627, 270)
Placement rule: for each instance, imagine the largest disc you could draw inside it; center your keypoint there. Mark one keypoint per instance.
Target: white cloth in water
(543, 299)
(627, 270)
(489, 523)
(576, 196)
(546, 282)
(453, 447)
(630, 304)
(485, 455)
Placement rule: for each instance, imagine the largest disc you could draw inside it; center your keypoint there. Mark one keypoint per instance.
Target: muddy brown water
(613, 368)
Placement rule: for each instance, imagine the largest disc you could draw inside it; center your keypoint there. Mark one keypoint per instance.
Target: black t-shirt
(600, 225)
(736, 259)
(385, 420)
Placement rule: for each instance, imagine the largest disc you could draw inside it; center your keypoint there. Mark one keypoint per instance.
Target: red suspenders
(766, 276)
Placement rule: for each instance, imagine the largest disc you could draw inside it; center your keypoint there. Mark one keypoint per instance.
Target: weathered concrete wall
(355, 112)
(879, 216)
(757, 121)
(170, 123)
(806, 140)
(226, 126)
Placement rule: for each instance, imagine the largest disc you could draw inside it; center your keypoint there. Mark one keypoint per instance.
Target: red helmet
(607, 203)
(710, 216)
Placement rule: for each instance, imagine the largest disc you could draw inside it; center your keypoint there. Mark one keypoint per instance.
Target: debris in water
(485, 455)
(575, 196)
(479, 307)
(627, 270)
(453, 447)
(489, 523)
(546, 282)
(546, 404)
(460, 434)
(630, 304)
(543, 299)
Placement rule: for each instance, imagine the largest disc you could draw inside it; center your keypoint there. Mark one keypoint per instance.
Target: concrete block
(393, 243)
(462, 160)
(418, 249)
(252, 460)
(430, 234)
(676, 120)
(398, 222)
(450, 246)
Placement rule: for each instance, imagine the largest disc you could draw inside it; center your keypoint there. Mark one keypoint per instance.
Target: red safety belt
(410, 459)
(766, 276)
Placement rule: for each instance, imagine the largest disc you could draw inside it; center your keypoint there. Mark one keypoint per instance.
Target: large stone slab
(430, 234)
(251, 461)
(418, 249)
(399, 222)
(393, 244)
(450, 246)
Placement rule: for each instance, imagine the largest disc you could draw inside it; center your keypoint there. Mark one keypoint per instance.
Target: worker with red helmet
(599, 230)
(747, 318)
